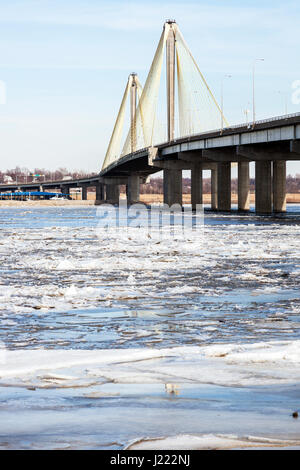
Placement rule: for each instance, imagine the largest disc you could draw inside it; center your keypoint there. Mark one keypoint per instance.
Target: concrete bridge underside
(270, 144)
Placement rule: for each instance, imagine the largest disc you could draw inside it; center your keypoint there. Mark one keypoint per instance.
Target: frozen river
(111, 336)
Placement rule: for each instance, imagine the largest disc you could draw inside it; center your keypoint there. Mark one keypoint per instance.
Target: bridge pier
(224, 186)
(279, 186)
(84, 193)
(263, 187)
(112, 193)
(243, 186)
(172, 187)
(65, 190)
(133, 189)
(99, 192)
(214, 189)
(196, 186)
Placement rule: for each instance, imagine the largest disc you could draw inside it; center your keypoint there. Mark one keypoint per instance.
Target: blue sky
(65, 64)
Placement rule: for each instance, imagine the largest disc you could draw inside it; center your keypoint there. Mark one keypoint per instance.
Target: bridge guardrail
(248, 125)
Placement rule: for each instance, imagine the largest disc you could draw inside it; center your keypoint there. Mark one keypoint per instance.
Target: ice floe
(224, 364)
(209, 442)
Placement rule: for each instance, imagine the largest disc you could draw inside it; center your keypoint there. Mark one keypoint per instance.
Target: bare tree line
(155, 186)
(22, 175)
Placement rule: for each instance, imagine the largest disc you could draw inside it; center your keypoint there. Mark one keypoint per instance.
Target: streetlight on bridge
(246, 112)
(285, 95)
(222, 99)
(253, 86)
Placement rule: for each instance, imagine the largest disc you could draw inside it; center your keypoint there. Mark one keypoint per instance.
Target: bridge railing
(247, 125)
(262, 121)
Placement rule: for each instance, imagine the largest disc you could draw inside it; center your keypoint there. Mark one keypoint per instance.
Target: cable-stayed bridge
(183, 128)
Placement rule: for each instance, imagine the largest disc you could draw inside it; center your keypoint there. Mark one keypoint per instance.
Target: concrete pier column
(243, 186)
(224, 186)
(112, 193)
(133, 189)
(173, 187)
(214, 189)
(84, 193)
(65, 190)
(99, 192)
(279, 186)
(196, 186)
(263, 187)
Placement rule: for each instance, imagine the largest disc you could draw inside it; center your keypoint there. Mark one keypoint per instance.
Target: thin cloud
(138, 16)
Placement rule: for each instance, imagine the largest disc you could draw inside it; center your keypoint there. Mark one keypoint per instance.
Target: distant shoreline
(291, 198)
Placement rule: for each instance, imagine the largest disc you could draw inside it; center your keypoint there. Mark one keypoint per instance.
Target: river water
(110, 336)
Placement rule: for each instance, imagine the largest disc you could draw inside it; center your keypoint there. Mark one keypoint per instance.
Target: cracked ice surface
(117, 317)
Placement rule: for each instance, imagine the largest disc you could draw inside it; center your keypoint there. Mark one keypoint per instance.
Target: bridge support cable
(114, 146)
(170, 63)
(146, 109)
(198, 108)
(133, 98)
(139, 94)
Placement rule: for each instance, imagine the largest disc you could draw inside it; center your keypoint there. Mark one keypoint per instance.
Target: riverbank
(49, 203)
(291, 198)
(114, 339)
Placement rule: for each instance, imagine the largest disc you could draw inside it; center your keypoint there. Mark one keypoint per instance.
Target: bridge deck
(271, 136)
